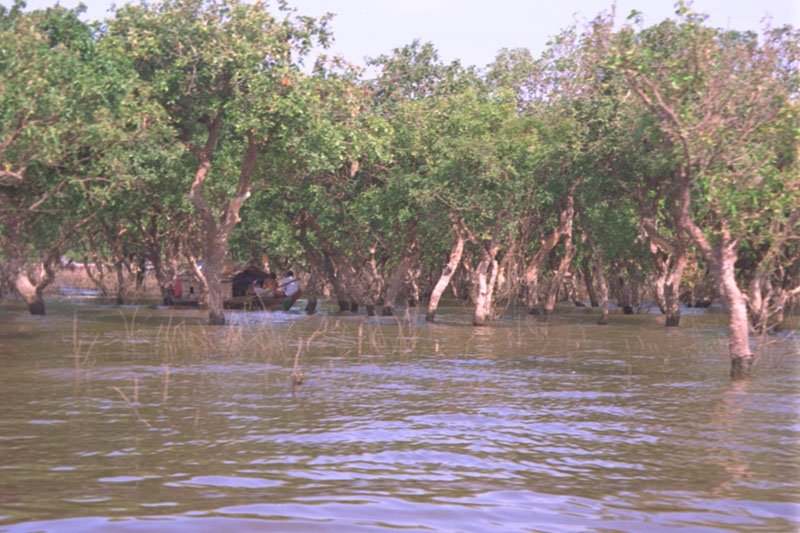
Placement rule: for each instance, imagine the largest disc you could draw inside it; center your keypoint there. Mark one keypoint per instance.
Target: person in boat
(289, 285)
(271, 285)
(268, 287)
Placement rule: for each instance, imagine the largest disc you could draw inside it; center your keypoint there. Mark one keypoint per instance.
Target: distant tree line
(622, 163)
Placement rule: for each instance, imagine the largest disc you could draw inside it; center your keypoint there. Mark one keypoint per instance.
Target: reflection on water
(146, 419)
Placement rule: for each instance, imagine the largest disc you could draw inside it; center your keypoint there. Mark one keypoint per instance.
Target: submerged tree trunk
(672, 298)
(558, 276)
(548, 242)
(588, 280)
(217, 229)
(622, 292)
(486, 277)
(121, 288)
(29, 293)
(774, 288)
(456, 252)
(722, 259)
(667, 287)
(735, 301)
(413, 280)
(671, 258)
(597, 259)
(398, 277)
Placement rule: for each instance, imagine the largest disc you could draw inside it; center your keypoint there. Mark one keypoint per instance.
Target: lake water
(137, 419)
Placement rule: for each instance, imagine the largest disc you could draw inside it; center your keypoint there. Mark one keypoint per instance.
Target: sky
(473, 31)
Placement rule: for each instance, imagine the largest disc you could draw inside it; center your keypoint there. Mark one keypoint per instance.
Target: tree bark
(29, 293)
(588, 280)
(739, 337)
(121, 289)
(558, 276)
(397, 278)
(773, 288)
(672, 291)
(722, 259)
(457, 250)
(548, 242)
(486, 276)
(217, 230)
(597, 259)
(413, 280)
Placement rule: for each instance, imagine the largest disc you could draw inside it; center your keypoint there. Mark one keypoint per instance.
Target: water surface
(138, 419)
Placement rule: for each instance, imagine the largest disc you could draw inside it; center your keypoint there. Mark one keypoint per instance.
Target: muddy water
(136, 419)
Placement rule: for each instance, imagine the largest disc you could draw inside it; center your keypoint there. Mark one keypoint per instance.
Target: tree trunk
(121, 292)
(558, 276)
(29, 293)
(163, 275)
(660, 280)
(597, 259)
(413, 280)
(588, 280)
(311, 305)
(99, 280)
(548, 242)
(397, 278)
(210, 277)
(447, 272)
(672, 291)
(735, 301)
(532, 301)
(671, 257)
(622, 292)
(668, 283)
(673, 312)
(217, 229)
(486, 276)
(722, 258)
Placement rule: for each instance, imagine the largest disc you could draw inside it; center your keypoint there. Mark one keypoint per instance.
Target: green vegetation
(624, 163)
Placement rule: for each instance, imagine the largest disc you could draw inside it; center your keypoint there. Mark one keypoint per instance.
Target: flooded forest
(552, 293)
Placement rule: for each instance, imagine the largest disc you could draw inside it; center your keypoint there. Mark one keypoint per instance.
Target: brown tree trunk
(456, 252)
(597, 259)
(622, 292)
(667, 285)
(369, 283)
(558, 275)
(588, 280)
(315, 285)
(548, 242)
(163, 275)
(98, 278)
(397, 278)
(672, 292)
(671, 258)
(311, 305)
(121, 288)
(660, 280)
(773, 288)
(217, 230)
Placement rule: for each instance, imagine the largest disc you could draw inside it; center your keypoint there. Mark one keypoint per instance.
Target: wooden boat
(183, 302)
(254, 301)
